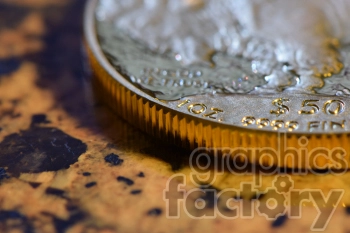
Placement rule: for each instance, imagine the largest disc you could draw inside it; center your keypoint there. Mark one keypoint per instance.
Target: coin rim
(157, 119)
(93, 45)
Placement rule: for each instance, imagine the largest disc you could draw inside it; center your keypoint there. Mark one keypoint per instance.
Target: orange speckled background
(67, 164)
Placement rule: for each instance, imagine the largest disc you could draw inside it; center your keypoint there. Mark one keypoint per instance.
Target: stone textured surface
(70, 165)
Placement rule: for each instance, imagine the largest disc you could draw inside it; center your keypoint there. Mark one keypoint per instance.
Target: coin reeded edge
(157, 119)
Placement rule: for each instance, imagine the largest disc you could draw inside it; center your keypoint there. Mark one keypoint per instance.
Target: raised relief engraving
(311, 106)
(267, 123)
(263, 122)
(214, 113)
(200, 108)
(243, 79)
(281, 108)
(337, 125)
(314, 125)
(277, 124)
(183, 103)
(265, 46)
(331, 107)
(248, 120)
(292, 125)
(197, 108)
(321, 126)
(334, 107)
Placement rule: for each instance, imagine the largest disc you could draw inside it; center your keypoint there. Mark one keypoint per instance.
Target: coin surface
(235, 74)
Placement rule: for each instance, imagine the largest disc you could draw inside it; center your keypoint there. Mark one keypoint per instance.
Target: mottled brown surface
(69, 164)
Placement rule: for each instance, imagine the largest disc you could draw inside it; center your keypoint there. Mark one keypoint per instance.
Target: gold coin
(159, 70)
